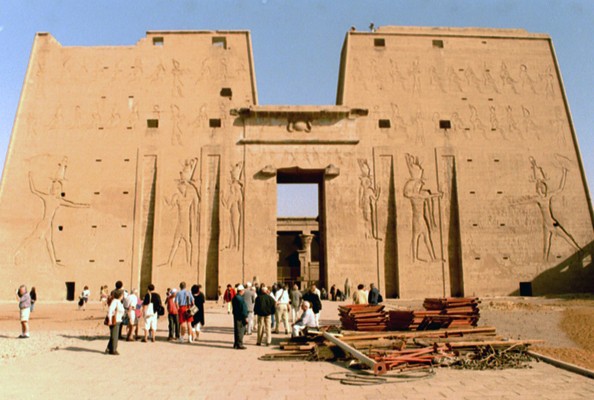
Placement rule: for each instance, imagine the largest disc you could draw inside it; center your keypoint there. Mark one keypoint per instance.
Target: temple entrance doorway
(300, 227)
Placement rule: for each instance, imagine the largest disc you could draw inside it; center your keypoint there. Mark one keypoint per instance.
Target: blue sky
(296, 43)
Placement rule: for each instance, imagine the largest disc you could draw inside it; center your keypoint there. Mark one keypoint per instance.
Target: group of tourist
(254, 307)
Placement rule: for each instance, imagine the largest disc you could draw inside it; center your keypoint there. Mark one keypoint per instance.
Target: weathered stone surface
(449, 166)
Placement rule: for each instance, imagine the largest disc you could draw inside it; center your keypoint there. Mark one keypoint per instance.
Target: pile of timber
(363, 317)
(463, 311)
(439, 313)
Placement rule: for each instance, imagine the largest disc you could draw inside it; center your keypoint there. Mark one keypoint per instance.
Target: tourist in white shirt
(307, 319)
(282, 308)
(130, 302)
(114, 318)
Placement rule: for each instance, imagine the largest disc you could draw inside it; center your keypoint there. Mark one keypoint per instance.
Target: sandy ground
(566, 324)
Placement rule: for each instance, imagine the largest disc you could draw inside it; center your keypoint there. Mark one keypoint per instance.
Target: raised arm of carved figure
(72, 204)
(32, 186)
(562, 182)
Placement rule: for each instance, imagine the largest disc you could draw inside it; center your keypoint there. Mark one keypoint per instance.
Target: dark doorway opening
(70, 291)
(301, 227)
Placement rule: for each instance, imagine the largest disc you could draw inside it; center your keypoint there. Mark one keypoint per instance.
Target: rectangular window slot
(96, 193)
(472, 192)
(91, 260)
(121, 261)
(499, 192)
(466, 129)
(60, 228)
(474, 224)
(438, 44)
(559, 256)
(464, 98)
(219, 41)
(100, 128)
(379, 42)
(505, 257)
(384, 123)
(63, 194)
(129, 128)
(126, 160)
(490, 99)
(94, 226)
(501, 224)
(445, 124)
(484, 42)
(493, 129)
(105, 67)
(477, 258)
(158, 41)
(214, 123)
(124, 226)
(125, 192)
(226, 92)
(469, 160)
(495, 160)
(152, 123)
(461, 69)
(103, 97)
(98, 160)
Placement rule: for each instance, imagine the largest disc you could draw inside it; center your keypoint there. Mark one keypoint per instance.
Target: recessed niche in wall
(91, 260)
(60, 228)
(98, 160)
(126, 160)
(121, 261)
(384, 123)
(125, 192)
(219, 41)
(379, 42)
(152, 123)
(100, 128)
(96, 193)
(124, 226)
(63, 194)
(94, 226)
(226, 92)
(438, 44)
(214, 123)
(445, 124)
(472, 192)
(158, 41)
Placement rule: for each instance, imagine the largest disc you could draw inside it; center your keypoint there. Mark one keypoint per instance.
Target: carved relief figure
(475, 121)
(528, 124)
(421, 200)
(52, 201)
(396, 76)
(415, 73)
(417, 122)
(549, 82)
(488, 80)
(559, 125)
(525, 80)
(454, 80)
(511, 125)
(186, 201)
(435, 79)
(176, 133)
(472, 80)
(233, 202)
(399, 123)
(368, 197)
(544, 200)
(506, 79)
(178, 85)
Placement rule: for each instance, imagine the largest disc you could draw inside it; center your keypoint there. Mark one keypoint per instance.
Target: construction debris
(363, 317)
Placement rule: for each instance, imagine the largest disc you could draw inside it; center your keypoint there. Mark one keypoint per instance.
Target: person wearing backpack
(374, 297)
(150, 307)
(184, 301)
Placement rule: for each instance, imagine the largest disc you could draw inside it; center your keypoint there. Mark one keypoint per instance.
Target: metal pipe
(378, 368)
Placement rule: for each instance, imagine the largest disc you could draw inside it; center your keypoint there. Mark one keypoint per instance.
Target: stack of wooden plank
(363, 317)
(463, 311)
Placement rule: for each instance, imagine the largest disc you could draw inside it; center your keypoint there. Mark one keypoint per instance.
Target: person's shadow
(80, 349)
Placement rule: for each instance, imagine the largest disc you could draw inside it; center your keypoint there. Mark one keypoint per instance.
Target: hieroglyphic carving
(415, 73)
(435, 79)
(511, 124)
(416, 122)
(176, 132)
(186, 201)
(559, 124)
(396, 76)
(233, 202)
(52, 201)
(549, 82)
(57, 120)
(528, 124)
(159, 72)
(526, 80)
(455, 82)
(472, 80)
(475, 121)
(551, 226)
(421, 200)
(488, 80)
(178, 85)
(201, 119)
(399, 122)
(506, 79)
(369, 194)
